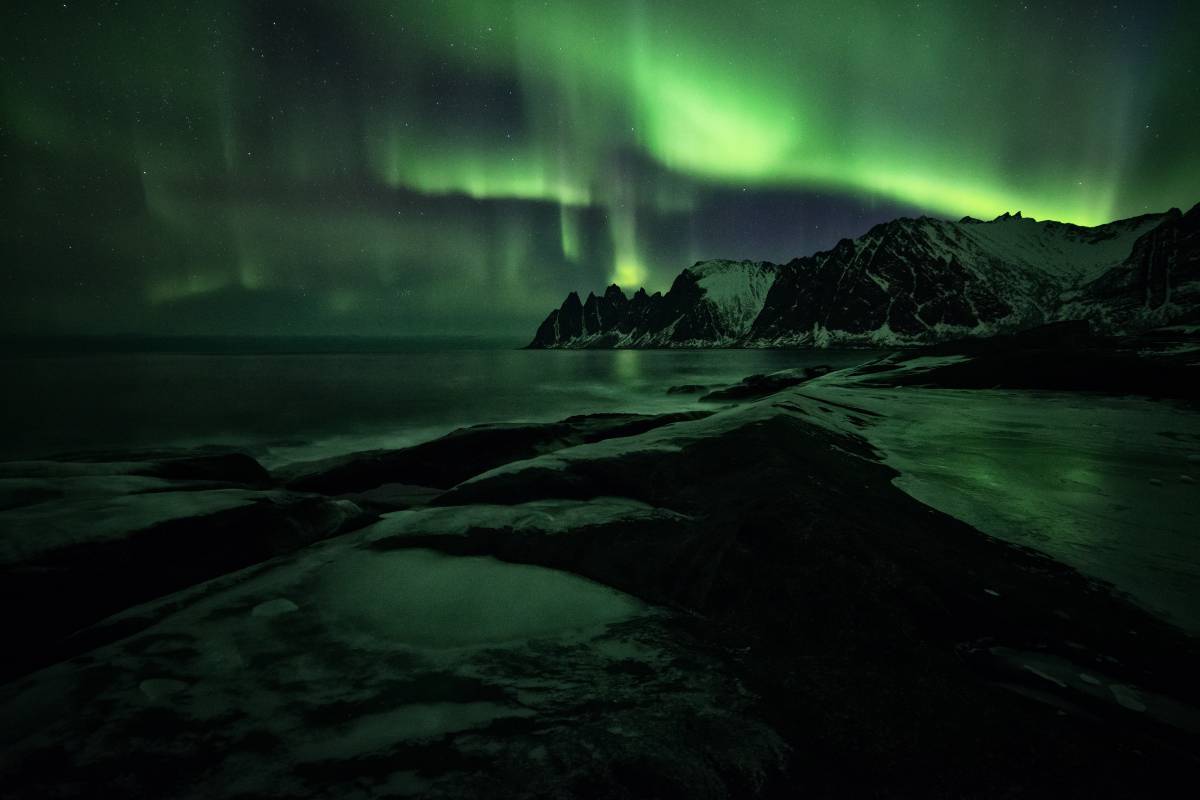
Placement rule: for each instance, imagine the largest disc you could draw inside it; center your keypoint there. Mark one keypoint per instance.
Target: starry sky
(457, 166)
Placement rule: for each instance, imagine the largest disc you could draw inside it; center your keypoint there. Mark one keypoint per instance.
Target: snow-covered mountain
(911, 281)
(1156, 284)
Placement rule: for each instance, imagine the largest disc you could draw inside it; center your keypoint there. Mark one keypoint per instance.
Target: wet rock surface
(404, 673)
(109, 541)
(730, 604)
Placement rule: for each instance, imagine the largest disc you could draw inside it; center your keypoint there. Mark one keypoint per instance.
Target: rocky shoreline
(737, 601)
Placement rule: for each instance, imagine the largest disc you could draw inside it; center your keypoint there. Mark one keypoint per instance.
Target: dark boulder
(467, 452)
(237, 468)
(757, 386)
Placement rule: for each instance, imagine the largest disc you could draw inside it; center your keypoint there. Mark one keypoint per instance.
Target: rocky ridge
(911, 282)
(738, 602)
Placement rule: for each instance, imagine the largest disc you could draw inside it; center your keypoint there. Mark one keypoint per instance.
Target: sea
(291, 400)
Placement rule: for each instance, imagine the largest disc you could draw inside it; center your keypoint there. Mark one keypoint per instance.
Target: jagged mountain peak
(909, 281)
(714, 265)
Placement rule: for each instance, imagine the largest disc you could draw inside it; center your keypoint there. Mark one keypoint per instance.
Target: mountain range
(911, 282)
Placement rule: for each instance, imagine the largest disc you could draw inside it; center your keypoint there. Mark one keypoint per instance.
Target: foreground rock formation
(739, 602)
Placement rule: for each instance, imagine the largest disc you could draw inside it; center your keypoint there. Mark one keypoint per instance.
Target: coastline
(739, 601)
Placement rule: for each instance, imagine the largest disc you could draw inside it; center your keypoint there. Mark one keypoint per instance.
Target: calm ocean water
(287, 402)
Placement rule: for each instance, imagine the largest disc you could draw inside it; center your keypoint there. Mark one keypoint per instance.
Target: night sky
(457, 166)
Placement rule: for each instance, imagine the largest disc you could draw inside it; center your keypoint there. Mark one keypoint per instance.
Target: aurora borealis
(424, 167)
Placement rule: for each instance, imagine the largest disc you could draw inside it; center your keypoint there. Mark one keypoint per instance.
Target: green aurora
(456, 166)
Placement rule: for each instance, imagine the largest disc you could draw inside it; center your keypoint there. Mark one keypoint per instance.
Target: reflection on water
(296, 406)
(627, 367)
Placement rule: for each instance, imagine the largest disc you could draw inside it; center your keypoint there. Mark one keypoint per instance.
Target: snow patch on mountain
(736, 290)
(1063, 251)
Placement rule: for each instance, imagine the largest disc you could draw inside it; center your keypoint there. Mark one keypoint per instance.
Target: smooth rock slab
(408, 671)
